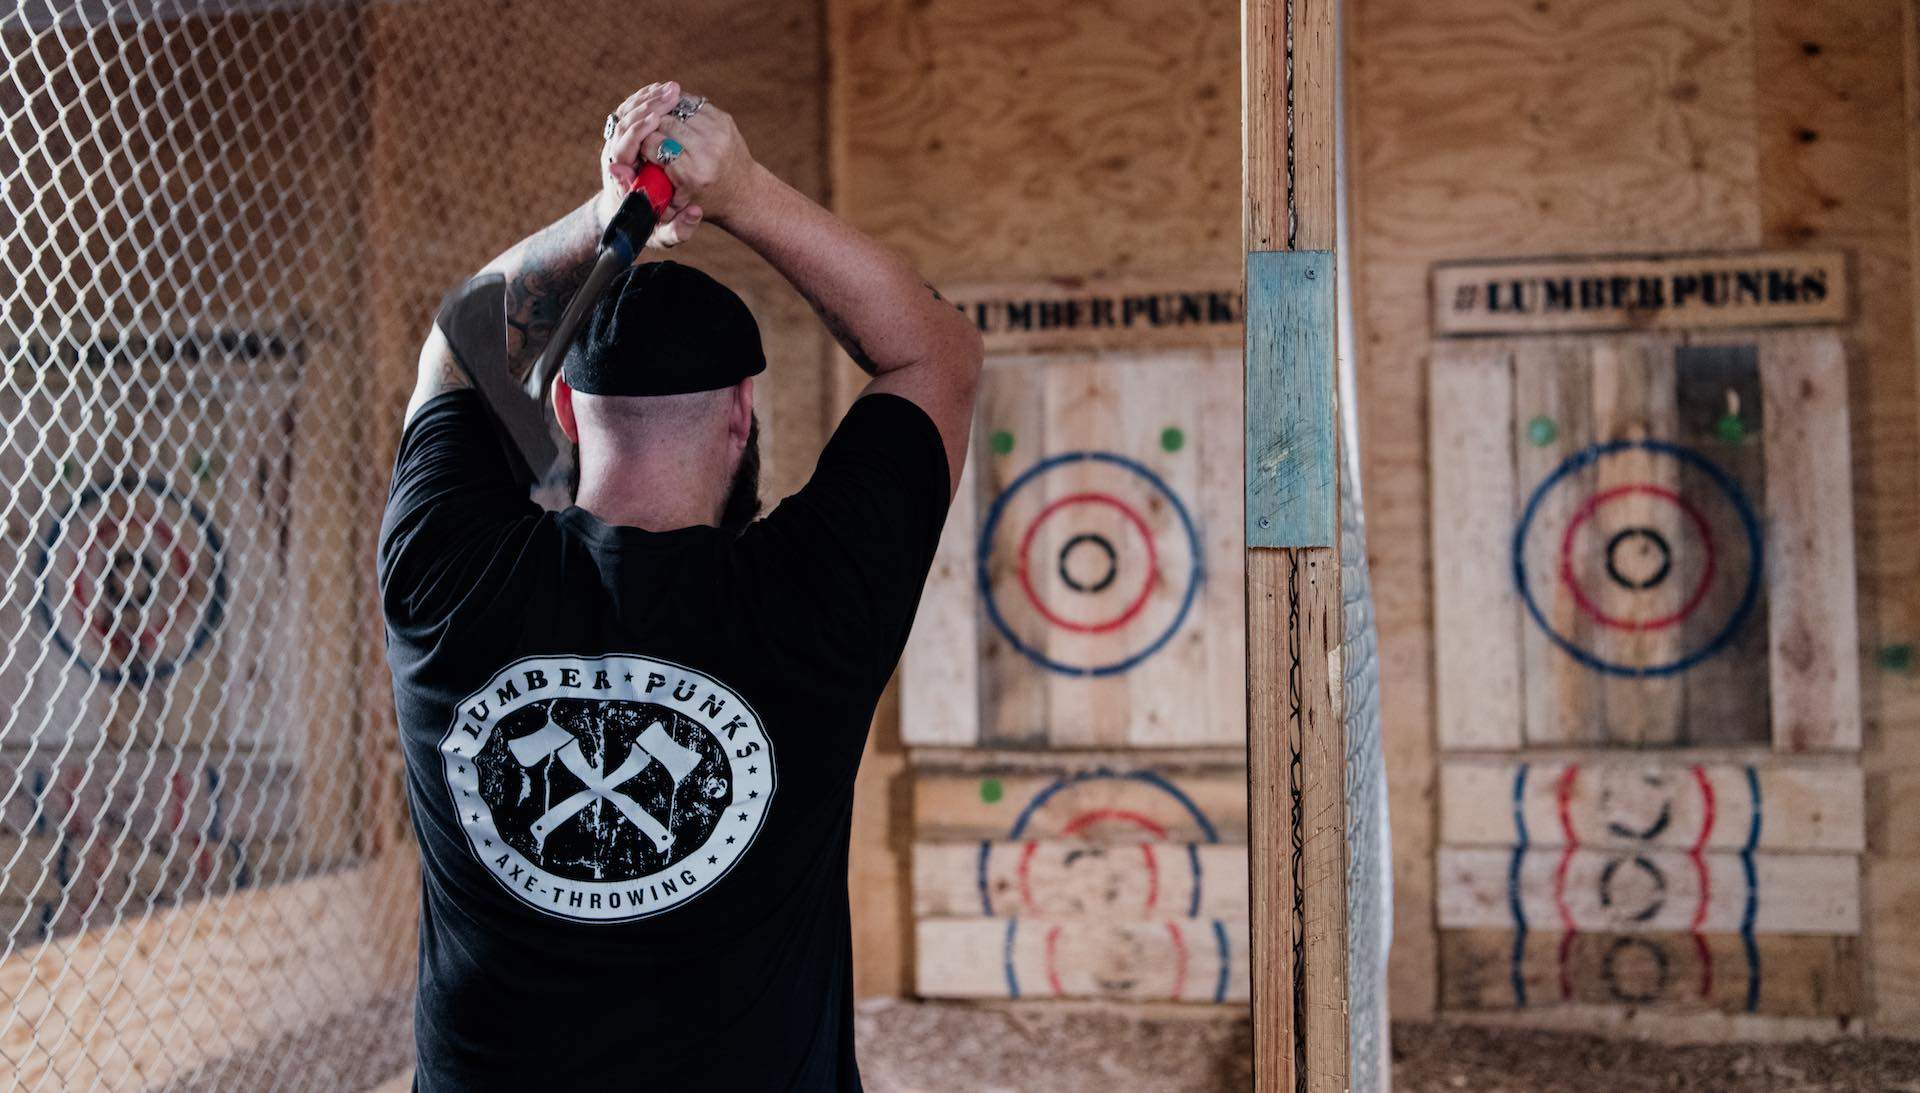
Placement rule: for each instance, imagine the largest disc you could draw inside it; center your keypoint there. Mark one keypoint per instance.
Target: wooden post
(1295, 738)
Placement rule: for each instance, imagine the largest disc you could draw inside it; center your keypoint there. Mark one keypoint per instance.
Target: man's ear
(740, 413)
(563, 409)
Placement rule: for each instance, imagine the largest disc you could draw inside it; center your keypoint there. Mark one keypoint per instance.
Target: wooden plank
(1012, 436)
(203, 980)
(1201, 806)
(1552, 420)
(1779, 974)
(1288, 73)
(1107, 881)
(1661, 292)
(940, 670)
(1722, 419)
(1813, 634)
(1274, 879)
(1221, 440)
(1085, 401)
(1160, 426)
(1173, 960)
(1476, 610)
(1608, 800)
(1640, 891)
(1296, 750)
(1128, 313)
(1291, 450)
(1637, 536)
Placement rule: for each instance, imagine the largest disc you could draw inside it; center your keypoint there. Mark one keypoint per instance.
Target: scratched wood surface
(1174, 960)
(1673, 592)
(1476, 609)
(1087, 880)
(1617, 800)
(1634, 891)
(1076, 600)
(1202, 804)
(1778, 975)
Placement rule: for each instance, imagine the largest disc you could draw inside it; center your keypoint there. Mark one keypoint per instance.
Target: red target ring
(1133, 608)
(1593, 610)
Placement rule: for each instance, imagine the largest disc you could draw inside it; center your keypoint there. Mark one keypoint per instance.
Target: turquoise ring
(669, 151)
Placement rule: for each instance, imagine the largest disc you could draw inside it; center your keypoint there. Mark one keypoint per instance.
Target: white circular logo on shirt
(606, 789)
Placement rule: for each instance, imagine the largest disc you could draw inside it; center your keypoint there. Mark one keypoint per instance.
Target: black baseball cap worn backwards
(662, 328)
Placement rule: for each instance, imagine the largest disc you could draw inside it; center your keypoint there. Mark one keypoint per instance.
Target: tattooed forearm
(543, 272)
(837, 327)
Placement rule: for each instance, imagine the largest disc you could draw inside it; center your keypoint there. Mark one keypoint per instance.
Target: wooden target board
(1086, 592)
(1079, 660)
(1646, 542)
(1082, 881)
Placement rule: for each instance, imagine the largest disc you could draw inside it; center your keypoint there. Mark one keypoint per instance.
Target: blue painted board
(1292, 499)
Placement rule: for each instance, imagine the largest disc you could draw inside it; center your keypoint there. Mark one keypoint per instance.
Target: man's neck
(645, 494)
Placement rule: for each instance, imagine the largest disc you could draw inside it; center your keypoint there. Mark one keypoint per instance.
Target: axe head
(679, 761)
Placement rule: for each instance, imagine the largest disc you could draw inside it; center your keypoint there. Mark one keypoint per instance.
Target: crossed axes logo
(652, 745)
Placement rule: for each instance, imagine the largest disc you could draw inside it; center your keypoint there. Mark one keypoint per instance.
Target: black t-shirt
(630, 758)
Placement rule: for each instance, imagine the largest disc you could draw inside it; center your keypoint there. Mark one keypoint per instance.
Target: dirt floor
(943, 1048)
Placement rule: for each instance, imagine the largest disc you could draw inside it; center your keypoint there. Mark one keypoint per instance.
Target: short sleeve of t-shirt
(853, 547)
(455, 493)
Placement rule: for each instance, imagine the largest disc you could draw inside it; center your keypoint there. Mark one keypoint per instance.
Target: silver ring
(606, 131)
(668, 151)
(688, 106)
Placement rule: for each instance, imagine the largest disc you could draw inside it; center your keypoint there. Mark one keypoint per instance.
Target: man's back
(631, 758)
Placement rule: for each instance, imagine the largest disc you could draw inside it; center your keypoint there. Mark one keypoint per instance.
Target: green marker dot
(203, 465)
(1896, 658)
(1172, 439)
(990, 790)
(1730, 429)
(1001, 441)
(69, 470)
(1542, 431)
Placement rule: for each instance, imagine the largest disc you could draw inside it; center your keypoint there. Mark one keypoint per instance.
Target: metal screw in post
(1266, 522)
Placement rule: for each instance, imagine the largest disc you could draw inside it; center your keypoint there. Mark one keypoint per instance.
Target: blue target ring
(1195, 569)
(212, 613)
(1750, 523)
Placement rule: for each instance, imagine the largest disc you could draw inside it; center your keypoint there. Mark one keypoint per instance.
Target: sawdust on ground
(925, 1047)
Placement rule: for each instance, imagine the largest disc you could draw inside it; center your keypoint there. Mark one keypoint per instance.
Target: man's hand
(714, 172)
(638, 122)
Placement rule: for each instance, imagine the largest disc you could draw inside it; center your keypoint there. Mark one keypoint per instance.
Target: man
(632, 727)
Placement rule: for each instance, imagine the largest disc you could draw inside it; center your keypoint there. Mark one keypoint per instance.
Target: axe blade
(535, 746)
(678, 760)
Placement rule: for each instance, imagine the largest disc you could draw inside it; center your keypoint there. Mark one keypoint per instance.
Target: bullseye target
(132, 580)
(1639, 558)
(1088, 563)
(1110, 894)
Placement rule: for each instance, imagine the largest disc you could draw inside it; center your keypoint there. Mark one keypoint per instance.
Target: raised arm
(890, 321)
(543, 271)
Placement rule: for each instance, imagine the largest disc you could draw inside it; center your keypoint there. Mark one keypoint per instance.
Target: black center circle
(1113, 562)
(1650, 536)
(1655, 967)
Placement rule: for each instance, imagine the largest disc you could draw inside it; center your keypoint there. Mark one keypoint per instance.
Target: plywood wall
(481, 137)
(1492, 128)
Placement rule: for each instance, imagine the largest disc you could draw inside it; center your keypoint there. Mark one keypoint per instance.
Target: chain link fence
(198, 806)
